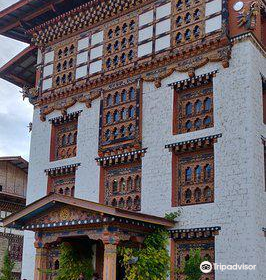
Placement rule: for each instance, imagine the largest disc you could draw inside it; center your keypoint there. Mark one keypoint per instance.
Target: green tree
(8, 265)
(151, 262)
(191, 267)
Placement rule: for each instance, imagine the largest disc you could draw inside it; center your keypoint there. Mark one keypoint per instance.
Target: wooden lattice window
(65, 56)
(64, 137)
(122, 186)
(120, 116)
(193, 181)
(193, 108)
(120, 43)
(16, 248)
(182, 253)
(63, 184)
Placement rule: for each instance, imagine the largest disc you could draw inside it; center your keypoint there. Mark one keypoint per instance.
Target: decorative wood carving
(122, 186)
(193, 106)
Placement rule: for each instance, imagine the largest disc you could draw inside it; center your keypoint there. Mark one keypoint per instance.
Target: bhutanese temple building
(143, 108)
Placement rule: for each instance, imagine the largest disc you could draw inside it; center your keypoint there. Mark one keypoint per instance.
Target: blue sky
(15, 114)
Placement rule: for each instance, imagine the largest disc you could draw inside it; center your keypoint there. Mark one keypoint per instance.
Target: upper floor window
(89, 57)
(122, 186)
(64, 137)
(193, 176)
(154, 30)
(193, 108)
(48, 70)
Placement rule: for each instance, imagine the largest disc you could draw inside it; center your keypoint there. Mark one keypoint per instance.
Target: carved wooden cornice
(194, 233)
(194, 81)
(67, 103)
(62, 170)
(119, 158)
(192, 144)
(65, 118)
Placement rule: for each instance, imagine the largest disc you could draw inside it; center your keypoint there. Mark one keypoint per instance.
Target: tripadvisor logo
(206, 267)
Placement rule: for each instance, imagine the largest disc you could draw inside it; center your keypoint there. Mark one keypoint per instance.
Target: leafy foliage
(172, 216)
(8, 265)
(152, 262)
(73, 261)
(191, 267)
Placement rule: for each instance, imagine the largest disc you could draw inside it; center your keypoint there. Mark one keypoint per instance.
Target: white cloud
(15, 114)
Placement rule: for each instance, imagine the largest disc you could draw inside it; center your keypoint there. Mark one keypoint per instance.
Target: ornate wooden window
(16, 248)
(62, 180)
(192, 20)
(122, 186)
(89, 57)
(120, 116)
(193, 171)
(120, 42)
(154, 30)
(193, 105)
(64, 68)
(185, 240)
(64, 137)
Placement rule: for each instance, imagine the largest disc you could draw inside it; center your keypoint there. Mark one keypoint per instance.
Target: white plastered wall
(87, 175)
(239, 173)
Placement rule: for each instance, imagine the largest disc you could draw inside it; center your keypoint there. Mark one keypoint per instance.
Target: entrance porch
(85, 225)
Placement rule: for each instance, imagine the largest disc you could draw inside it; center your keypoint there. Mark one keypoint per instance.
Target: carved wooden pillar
(110, 257)
(41, 258)
(40, 263)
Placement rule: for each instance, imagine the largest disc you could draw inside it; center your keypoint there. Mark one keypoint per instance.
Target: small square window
(49, 57)
(213, 7)
(213, 24)
(145, 49)
(145, 33)
(163, 11)
(48, 70)
(96, 52)
(146, 18)
(163, 26)
(97, 38)
(162, 43)
(46, 84)
(82, 58)
(81, 72)
(95, 67)
(83, 44)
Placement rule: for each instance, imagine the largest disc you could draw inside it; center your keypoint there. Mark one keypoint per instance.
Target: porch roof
(20, 70)
(38, 209)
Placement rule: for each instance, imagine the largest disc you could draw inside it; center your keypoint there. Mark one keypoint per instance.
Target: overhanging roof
(39, 207)
(20, 70)
(17, 161)
(27, 14)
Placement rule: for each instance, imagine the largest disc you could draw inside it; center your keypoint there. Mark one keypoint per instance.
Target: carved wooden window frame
(112, 195)
(201, 189)
(126, 130)
(181, 250)
(120, 46)
(64, 144)
(196, 119)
